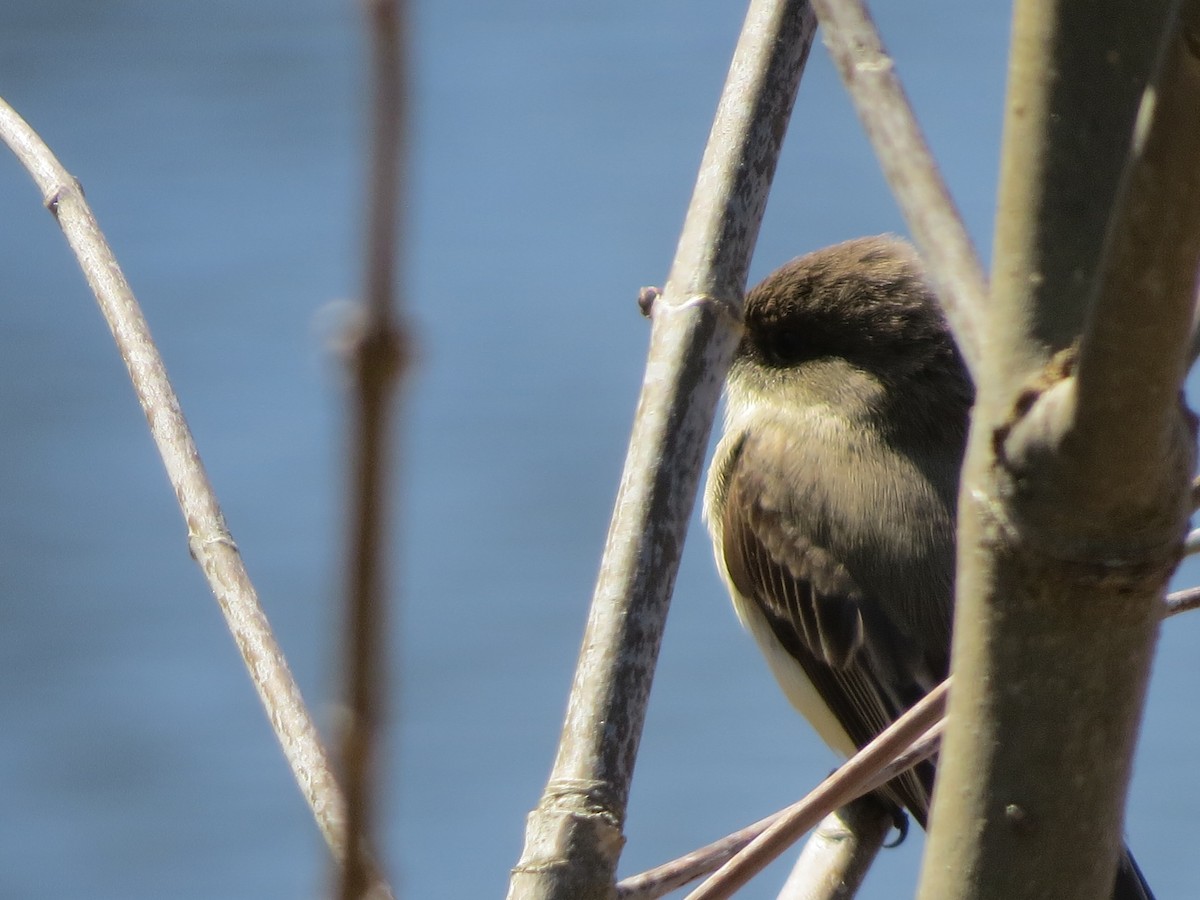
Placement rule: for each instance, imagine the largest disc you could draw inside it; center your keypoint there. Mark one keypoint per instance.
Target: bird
(831, 497)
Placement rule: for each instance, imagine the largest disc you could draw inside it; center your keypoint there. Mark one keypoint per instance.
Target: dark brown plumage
(831, 497)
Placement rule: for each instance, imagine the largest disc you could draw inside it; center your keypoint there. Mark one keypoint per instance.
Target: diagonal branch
(209, 540)
(861, 774)
(839, 852)
(910, 739)
(573, 837)
(870, 77)
(1143, 311)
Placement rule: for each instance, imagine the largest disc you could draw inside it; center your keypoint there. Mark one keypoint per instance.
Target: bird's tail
(1130, 883)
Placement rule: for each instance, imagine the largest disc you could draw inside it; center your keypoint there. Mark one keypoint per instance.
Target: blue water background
(555, 146)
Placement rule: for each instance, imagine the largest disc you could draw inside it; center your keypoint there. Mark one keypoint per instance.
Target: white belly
(796, 686)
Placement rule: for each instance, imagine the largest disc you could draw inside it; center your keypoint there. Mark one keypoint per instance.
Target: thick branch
(1058, 608)
(1142, 316)
(1076, 76)
(573, 838)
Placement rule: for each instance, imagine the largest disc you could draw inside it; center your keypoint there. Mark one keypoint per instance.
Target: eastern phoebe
(831, 497)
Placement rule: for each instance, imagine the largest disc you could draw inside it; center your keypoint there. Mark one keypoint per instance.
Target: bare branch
(869, 75)
(209, 540)
(859, 775)
(1182, 601)
(1191, 543)
(573, 838)
(1143, 313)
(662, 880)
(868, 769)
(837, 856)
(379, 359)
(1058, 604)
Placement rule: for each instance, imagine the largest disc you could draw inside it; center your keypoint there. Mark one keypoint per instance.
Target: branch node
(647, 297)
(726, 307)
(1057, 371)
(584, 798)
(198, 541)
(53, 199)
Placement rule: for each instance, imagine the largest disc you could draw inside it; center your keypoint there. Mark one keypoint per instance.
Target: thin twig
(859, 775)
(1181, 601)
(574, 836)
(913, 737)
(869, 75)
(663, 879)
(378, 360)
(209, 540)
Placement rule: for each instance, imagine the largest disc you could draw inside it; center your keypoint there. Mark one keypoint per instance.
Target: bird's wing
(811, 603)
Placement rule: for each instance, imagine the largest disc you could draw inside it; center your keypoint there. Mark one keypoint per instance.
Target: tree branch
(1058, 607)
(573, 837)
(379, 357)
(209, 540)
(1143, 312)
(863, 773)
(869, 75)
(837, 856)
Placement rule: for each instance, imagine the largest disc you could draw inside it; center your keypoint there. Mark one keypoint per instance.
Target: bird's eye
(787, 348)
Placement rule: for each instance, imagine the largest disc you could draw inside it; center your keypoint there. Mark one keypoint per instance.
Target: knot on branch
(1057, 371)
(376, 350)
(653, 301)
(1052, 490)
(200, 538)
(573, 843)
(584, 799)
(647, 297)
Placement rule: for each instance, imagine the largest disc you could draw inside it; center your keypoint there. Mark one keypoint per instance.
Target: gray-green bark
(574, 836)
(1076, 489)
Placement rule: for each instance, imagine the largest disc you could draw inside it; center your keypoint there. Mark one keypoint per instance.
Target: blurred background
(221, 145)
